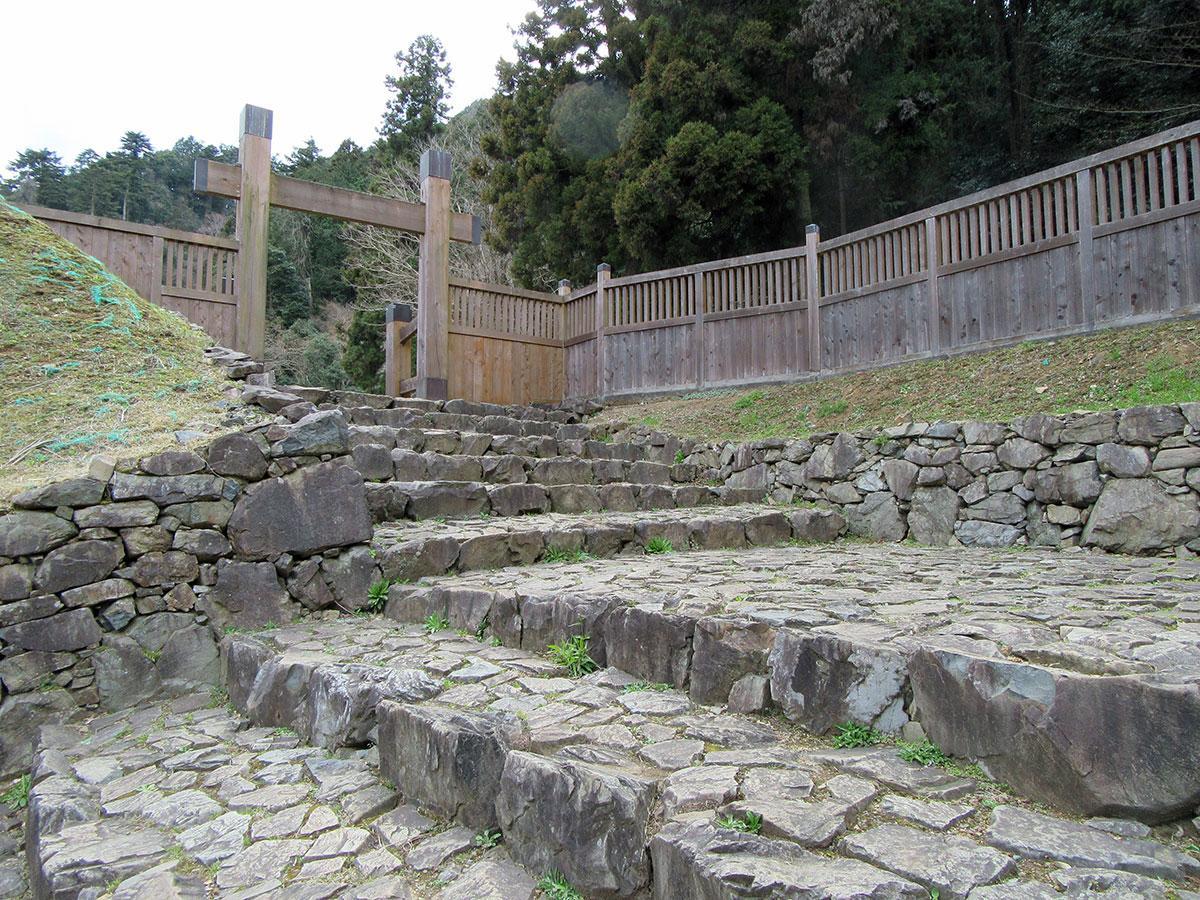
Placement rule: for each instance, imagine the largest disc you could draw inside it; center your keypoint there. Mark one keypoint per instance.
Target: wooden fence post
(812, 243)
(253, 209)
(397, 366)
(433, 289)
(603, 273)
(1084, 197)
(935, 303)
(698, 337)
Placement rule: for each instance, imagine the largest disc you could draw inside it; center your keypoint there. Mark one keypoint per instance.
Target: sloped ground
(1109, 370)
(86, 365)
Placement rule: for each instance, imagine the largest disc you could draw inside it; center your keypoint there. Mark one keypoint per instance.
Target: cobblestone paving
(189, 796)
(1088, 612)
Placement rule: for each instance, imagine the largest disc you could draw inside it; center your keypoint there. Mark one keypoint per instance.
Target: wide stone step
(474, 443)
(407, 551)
(408, 465)
(622, 785)
(429, 499)
(1054, 672)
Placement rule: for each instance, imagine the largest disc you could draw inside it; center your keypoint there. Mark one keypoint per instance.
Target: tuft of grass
(151, 655)
(377, 594)
(435, 622)
(17, 796)
(488, 839)
(751, 823)
(829, 408)
(565, 555)
(749, 399)
(680, 456)
(87, 365)
(554, 886)
(573, 656)
(924, 752)
(851, 734)
(658, 545)
(638, 687)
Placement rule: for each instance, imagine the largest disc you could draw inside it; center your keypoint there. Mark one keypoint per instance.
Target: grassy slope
(1128, 367)
(86, 365)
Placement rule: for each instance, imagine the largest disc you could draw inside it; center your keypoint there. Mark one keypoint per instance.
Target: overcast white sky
(80, 74)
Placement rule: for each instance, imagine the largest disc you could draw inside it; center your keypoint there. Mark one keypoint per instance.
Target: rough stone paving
(370, 756)
(188, 798)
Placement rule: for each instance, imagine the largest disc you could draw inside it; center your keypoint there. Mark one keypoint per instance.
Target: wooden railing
(193, 274)
(1106, 240)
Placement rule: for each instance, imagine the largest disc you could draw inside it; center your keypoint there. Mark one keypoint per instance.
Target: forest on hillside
(654, 133)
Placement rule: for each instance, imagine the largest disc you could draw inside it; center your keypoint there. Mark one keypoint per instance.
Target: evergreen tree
(418, 107)
(39, 178)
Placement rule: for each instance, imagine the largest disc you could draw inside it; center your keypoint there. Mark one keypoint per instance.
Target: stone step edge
(1027, 725)
(451, 763)
(470, 766)
(396, 500)
(441, 554)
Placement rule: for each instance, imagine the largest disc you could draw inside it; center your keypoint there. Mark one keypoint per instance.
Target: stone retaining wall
(114, 587)
(1125, 481)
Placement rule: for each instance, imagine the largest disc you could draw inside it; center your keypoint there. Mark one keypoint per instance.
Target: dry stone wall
(1124, 481)
(116, 586)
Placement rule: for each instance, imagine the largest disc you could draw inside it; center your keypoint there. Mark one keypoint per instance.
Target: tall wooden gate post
(603, 273)
(935, 302)
(253, 209)
(812, 271)
(433, 289)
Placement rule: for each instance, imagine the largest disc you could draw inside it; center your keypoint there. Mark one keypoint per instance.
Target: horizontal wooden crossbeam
(224, 180)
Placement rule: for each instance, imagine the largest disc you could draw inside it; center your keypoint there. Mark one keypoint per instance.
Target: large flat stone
(1036, 836)
(698, 861)
(952, 865)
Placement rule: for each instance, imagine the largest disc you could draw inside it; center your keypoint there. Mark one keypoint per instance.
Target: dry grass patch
(1111, 369)
(86, 365)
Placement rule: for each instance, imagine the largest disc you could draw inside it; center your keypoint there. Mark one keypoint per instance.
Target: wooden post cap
(256, 121)
(604, 267)
(813, 229)
(435, 164)
(398, 312)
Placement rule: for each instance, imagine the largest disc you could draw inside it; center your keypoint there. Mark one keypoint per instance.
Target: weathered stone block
(821, 680)
(1115, 746)
(70, 630)
(726, 649)
(447, 761)
(588, 823)
(1136, 515)
(876, 518)
(29, 533)
(313, 509)
(932, 515)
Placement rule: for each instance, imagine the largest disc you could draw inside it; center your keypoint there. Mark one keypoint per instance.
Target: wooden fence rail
(193, 274)
(1111, 239)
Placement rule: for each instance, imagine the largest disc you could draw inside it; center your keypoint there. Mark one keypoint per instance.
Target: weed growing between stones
(658, 545)
(17, 796)
(751, 823)
(435, 622)
(680, 456)
(638, 687)
(565, 555)
(377, 594)
(487, 839)
(572, 655)
(850, 734)
(555, 886)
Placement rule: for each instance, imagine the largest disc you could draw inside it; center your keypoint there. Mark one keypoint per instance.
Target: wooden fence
(193, 274)
(1112, 239)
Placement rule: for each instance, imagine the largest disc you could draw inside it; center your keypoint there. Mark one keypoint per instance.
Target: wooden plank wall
(1107, 240)
(192, 274)
(506, 344)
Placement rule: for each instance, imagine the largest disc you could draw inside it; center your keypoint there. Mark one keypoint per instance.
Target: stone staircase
(1027, 720)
